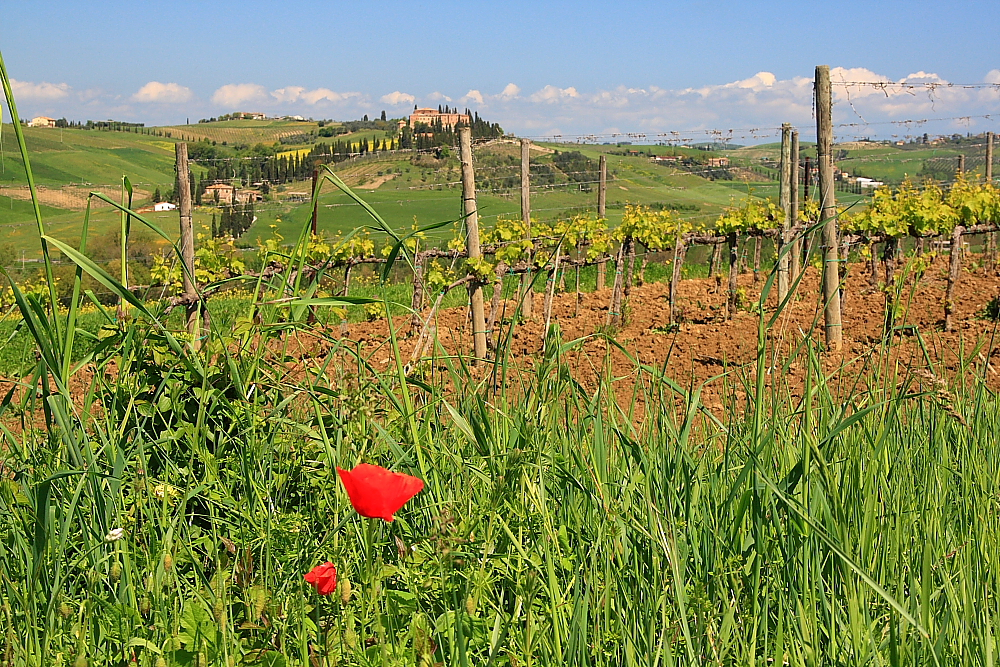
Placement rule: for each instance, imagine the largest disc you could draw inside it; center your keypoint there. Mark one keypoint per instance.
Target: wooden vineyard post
(990, 251)
(187, 238)
(417, 303)
(734, 270)
(550, 294)
(961, 164)
(785, 202)
(954, 268)
(472, 243)
(602, 198)
(615, 310)
(989, 157)
(713, 263)
(675, 276)
(498, 273)
(828, 210)
(347, 287)
(527, 293)
(757, 242)
(795, 265)
(629, 267)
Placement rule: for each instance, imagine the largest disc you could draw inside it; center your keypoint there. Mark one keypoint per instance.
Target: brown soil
(705, 345)
(705, 348)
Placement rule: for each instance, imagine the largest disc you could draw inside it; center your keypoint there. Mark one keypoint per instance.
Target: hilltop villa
(430, 116)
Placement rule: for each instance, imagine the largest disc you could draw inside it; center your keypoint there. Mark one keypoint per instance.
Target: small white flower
(114, 535)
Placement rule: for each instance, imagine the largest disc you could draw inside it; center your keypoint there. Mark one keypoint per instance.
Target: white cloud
(510, 91)
(473, 96)
(438, 97)
(395, 98)
(236, 94)
(551, 94)
(993, 76)
(28, 91)
(293, 94)
(166, 93)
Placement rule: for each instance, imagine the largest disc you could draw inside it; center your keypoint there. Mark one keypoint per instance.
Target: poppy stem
(370, 573)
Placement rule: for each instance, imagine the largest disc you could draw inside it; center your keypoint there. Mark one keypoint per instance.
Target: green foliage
(753, 215)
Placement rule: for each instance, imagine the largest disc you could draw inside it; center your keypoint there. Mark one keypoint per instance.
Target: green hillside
(61, 156)
(68, 163)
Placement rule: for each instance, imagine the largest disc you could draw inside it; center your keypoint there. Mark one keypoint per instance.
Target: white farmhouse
(164, 206)
(42, 121)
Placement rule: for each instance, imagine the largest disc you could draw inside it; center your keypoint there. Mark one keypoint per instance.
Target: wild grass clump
(162, 496)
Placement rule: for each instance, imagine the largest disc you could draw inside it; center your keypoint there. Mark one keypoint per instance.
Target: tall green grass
(561, 524)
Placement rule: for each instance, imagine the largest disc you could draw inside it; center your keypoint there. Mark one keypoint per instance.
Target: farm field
(607, 411)
(241, 131)
(306, 457)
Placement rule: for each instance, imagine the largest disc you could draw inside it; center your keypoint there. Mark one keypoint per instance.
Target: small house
(164, 206)
(221, 192)
(42, 121)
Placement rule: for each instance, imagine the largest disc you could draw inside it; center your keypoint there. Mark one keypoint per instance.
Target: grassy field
(855, 524)
(162, 493)
(403, 189)
(242, 131)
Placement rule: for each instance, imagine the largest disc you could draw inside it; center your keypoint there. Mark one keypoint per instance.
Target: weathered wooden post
(417, 302)
(991, 237)
(680, 249)
(961, 165)
(615, 309)
(795, 265)
(472, 243)
(828, 210)
(954, 270)
(527, 293)
(989, 157)
(785, 202)
(715, 260)
(602, 194)
(187, 238)
(734, 269)
(550, 293)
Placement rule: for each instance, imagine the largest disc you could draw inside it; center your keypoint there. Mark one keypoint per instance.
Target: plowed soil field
(706, 345)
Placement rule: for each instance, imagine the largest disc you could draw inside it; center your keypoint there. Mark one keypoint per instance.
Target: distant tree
(156, 195)
(383, 114)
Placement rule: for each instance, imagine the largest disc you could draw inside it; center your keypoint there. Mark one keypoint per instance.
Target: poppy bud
(470, 605)
(345, 591)
(116, 571)
(168, 562)
(144, 607)
(81, 661)
(219, 611)
(65, 610)
(160, 661)
(259, 601)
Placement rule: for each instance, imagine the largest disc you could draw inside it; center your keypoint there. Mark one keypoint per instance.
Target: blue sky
(536, 67)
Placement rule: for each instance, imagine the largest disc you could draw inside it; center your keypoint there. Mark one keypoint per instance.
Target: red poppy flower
(323, 578)
(378, 493)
